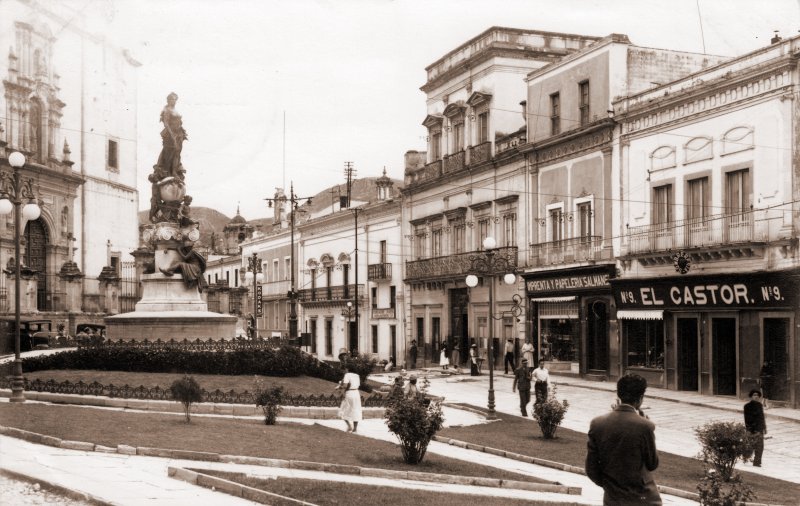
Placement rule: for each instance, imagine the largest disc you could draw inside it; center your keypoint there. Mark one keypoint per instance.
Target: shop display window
(560, 339)
(645, 340)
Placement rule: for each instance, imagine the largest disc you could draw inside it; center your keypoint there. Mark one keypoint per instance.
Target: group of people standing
(524, 377)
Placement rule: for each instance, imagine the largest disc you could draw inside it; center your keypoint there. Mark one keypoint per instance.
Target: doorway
(723, 342)
(353, 333)
(36, 242)
(597, 337)
(459, 302)
(776, 352)
(687, 333)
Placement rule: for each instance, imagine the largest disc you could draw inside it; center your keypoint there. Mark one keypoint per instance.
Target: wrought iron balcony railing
(377, 272)
(738, 228)
(453, 163)
(330, 293)
(452, 266)
(575, 249)
(480, 153)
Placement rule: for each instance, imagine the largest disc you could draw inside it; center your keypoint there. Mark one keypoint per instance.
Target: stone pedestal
(169, 309)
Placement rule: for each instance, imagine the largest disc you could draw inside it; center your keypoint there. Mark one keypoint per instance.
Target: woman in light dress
(527, 353)
(444, 359)
(350, 408)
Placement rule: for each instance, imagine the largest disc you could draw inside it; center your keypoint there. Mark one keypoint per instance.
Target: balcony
(567, 251)
(453, 163)
(720, 236)
(379, 272)
(338, 293)
(480, 153)
(510, 141)
(452, 266)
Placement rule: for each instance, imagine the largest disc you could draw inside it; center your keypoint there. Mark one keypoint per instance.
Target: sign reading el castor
(739, 291)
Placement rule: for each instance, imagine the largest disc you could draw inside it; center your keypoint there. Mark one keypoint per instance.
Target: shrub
(715, 491)
(414, 423)
(723, 444)
(269, 400)
(186, 391)
(549, 415)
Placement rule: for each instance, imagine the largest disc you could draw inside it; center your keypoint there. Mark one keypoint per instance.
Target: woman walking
(444, 360)
(350, 408)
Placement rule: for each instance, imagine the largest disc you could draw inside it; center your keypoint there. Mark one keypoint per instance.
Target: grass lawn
(314, 443)
(524, 436)
(328, 493)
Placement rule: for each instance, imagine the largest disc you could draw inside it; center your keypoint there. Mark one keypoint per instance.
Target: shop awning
(640, 314)
(568, 298)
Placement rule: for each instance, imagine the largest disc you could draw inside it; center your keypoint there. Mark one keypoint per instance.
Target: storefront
(710, 334)
(570, 319)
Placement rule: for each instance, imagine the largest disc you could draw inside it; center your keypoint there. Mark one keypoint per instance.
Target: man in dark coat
(412, 352)
(622, 448)
(755, 423)
(522, 379)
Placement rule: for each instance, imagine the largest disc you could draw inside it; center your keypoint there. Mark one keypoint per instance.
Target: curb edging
(54, 487)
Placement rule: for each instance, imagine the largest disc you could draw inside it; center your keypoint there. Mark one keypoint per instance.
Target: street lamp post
(490, 265)
(255, 275)
(13, 190)
(347, 313)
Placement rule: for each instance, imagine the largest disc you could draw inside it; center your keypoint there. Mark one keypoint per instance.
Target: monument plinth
(171, 306)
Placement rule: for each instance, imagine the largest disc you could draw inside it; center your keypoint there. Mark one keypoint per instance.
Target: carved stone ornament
(191, 233)
(682, 262)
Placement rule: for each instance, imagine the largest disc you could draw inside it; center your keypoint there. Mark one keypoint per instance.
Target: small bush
(186, 391)
(414, 423)
(269, 400)
(723, 444)
(549, 415)
(716, 491)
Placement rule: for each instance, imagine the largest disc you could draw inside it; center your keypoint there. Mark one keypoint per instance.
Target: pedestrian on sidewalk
(622, 448)
(541, 378)
(473, 361)
(522, 380)
(412, 353)
(444, 358)
(756, 424)
(527, 353)
(456, 356)
(509, 357)
(350, 408)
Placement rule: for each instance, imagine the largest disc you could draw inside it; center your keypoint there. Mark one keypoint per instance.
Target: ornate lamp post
(255, 275)
(13, 190)
(348, 313)
(489, 265)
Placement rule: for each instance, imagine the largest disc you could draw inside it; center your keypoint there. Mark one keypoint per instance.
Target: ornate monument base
(171, 307)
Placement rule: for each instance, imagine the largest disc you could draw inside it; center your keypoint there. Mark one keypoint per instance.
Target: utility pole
(349, 173)
(292, 294)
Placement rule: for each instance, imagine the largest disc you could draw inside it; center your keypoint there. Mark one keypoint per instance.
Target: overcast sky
(346, 75)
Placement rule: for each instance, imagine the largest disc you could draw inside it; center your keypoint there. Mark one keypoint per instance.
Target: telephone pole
(349, 174)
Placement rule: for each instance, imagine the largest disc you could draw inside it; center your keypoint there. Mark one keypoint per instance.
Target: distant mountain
(211, 221)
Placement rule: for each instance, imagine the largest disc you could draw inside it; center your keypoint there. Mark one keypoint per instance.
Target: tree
(186, 391)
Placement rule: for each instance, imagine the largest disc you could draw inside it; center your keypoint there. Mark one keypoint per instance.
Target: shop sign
(709, 292)
(567, 283)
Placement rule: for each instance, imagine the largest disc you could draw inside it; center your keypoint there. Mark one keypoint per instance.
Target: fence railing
(575, 249)
(260, 343)
(453, 265)
(157, 393)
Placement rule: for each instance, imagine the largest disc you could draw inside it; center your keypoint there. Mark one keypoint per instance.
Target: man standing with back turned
(622, 448)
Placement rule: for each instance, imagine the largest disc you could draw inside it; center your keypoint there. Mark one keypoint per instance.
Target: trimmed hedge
(286, 361)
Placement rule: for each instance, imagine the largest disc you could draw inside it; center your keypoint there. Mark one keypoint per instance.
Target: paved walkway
(675, 414)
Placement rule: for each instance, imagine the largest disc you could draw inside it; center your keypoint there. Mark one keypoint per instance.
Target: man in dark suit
(756, 424)
(622, 448)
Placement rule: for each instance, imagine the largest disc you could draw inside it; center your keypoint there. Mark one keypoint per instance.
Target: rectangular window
(459, 238)
(115, 265)
(483, 326)
(383, 252)
(556, 221)
(328, 336)
(458, 137)
(419, 242)
(510, 229)
(555, 114)
(312, 329)
(392, 296)
(328, 281)
(276, 315)
(287, 268)
(436, 146)
(737, 191)
(374, 339)
(645, 340)
(420, 331)
(436, 242)
(236, 277)
(374, 293)
(698, 200)
(275, 270)
(483, 232)
(113, 156)
(436, 330)
(662, 204)
(483, 127)
(583, 90)
(228, 278)
(585, 220)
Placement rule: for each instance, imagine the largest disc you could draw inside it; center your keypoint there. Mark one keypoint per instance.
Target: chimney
(775, 38)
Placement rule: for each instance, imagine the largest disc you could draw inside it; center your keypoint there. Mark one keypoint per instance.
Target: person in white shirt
(541, 379)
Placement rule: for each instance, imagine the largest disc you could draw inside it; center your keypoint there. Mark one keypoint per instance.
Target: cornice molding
(570, 146)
